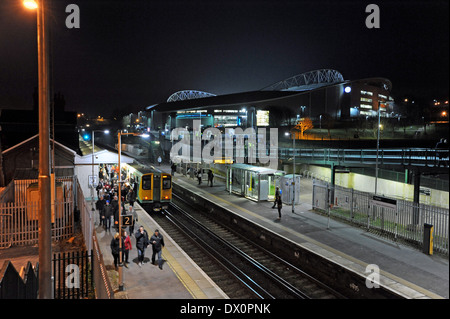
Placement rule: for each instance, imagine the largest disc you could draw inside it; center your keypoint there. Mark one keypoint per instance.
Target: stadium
(319, 95)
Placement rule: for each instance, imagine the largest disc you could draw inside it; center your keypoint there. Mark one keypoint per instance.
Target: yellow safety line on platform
(337, 252)
(190, 285)
(183, 276)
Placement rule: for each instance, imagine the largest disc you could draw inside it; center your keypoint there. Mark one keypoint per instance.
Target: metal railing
(73, 284)
(86, 218)
(103, 289)
(100, 277)
(411, 156)
(405, 221)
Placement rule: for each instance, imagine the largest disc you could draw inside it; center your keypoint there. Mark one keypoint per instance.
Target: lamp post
(93, 165)
(44, 214)
(293, 178)
(119, 148)
(378, 147)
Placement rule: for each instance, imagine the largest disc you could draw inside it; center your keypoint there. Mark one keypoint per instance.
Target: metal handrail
(416, 156)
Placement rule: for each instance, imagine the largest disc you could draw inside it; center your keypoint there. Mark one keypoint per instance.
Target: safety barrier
(405, 220)
(411, 156)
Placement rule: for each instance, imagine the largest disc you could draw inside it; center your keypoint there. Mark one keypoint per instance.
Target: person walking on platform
(115, 209)
(279, 206)
(159, 160)
(99, 205)
(132, 212)
(115, 249)
(157, 241)
(277, 195)
(107, 213)
(199, 176)
(141, 244)
(127, 247)
(131, 197)
(210, 178)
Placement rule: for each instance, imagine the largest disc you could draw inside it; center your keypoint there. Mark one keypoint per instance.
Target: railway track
(240, 267)
(225, 277)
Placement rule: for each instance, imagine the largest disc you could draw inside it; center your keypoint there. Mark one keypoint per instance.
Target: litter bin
(428, 239)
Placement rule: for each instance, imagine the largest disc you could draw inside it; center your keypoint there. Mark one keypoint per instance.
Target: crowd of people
(107, 206)
(142, 242)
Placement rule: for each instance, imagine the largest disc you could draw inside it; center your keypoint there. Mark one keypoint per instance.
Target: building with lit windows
(316, 94)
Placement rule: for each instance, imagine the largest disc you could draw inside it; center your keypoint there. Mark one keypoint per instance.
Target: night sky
(132, 54)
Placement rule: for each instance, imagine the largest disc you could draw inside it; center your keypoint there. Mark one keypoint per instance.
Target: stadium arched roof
(188, 95)
(307, 81)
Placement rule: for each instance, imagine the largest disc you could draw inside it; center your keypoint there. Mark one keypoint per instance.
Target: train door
(146, 188)
(166, 188)
(156, 187)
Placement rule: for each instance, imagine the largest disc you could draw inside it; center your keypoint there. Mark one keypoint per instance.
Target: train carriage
(153, 188)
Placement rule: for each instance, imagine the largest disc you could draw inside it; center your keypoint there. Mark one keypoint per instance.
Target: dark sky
(130, 54)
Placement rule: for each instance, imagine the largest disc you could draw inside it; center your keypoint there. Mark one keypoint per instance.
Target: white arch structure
(188, 95)
(307, 81)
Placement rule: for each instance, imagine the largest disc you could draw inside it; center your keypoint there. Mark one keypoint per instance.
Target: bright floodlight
(145, 135)
(30, 4)
(106, 131)
(347, 89)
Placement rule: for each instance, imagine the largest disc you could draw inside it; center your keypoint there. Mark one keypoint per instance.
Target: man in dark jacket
(115, 249)
(157, 241)
(277, 195)
(115, 209)
(99, 205)
(107, 213)
(141, 244)
(131, 197)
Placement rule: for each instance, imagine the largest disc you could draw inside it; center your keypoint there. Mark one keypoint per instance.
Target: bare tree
(303, 125)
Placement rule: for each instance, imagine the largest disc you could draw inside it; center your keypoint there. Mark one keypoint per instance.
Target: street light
(30, 4)
(119, 148)
(378, 146)
(44, 214)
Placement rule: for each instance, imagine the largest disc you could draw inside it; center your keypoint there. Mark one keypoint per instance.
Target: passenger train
(153, 188)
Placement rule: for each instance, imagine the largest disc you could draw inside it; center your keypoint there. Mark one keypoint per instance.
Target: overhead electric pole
(45, 224)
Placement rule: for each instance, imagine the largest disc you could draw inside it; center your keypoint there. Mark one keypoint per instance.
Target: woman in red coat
(127, 247)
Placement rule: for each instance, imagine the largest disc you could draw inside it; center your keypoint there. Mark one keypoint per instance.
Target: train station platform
(402, 268)
(180, 277)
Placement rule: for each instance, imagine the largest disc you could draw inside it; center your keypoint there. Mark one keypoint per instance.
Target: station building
(319, 95)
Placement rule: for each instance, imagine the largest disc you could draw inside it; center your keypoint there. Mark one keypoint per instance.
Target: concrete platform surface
(180, 277)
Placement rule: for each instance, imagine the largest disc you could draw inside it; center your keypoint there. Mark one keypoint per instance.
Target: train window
(166, 182)
(146, 182)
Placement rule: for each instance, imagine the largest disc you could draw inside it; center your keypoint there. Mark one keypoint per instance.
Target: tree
(303, 125)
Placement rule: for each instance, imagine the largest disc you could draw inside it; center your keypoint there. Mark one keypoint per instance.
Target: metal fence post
(328, 206)
(313, 193)
(396, 223)
(351, 205)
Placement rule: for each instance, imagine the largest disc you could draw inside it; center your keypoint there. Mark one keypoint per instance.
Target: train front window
(167, 183)
(147, 182)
